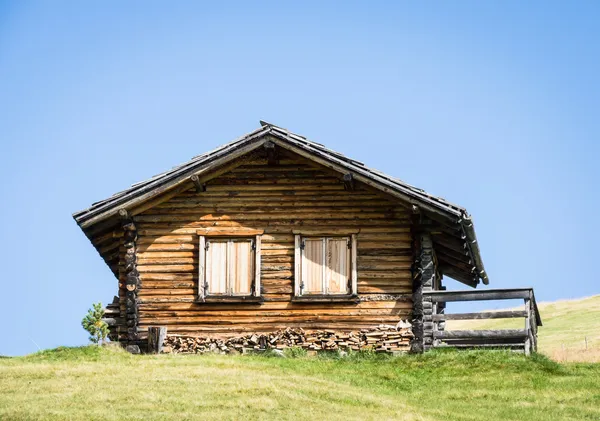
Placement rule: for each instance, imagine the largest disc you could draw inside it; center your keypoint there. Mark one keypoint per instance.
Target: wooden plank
(338, 265)
(257, 265)
(156, 338)
(487, 334)
(354, 264)
(492, 294)
(480, 316)
(326, 232)
(241, 266)
(230, 232)
(216, 267)
(297, 265)
(313, 264)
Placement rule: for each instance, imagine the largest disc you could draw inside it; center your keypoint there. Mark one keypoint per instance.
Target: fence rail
(521, 339)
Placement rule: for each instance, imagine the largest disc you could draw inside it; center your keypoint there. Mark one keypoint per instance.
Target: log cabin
(275, 240)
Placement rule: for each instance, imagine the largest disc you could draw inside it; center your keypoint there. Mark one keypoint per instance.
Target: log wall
(291, 194)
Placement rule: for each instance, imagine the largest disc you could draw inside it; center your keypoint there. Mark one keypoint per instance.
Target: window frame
(299, 294)
(255, 290)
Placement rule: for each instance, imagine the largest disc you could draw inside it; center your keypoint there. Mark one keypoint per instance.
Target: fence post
(156, 338)
(528, 326)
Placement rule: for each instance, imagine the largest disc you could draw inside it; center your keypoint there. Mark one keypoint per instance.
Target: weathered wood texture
(131, 280)
(521, 339)
(290, 196)
(424, 274)
(156, 338)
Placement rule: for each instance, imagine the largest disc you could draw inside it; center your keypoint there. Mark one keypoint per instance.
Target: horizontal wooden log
(348, 309)
(481, 315)
(495, 294)
(258, 320)
(174, 304)
(487, 334)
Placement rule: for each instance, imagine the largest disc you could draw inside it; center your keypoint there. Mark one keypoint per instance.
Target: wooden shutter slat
(338, 265)
(257, 265)
(353, 264)
(216, 267)
(312, 266)
(241, 267)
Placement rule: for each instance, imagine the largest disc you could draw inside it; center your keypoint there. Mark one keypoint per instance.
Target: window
(229, 267)
(325, 265)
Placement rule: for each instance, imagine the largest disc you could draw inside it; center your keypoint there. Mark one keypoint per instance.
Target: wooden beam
(230, 232)
(486, 334)
(348, 182)
(492, 294)
(200, 187)
(509, 314)
(123, 214)
(272, 158)
(156, 338)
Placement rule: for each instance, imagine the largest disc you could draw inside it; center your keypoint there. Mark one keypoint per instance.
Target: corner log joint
(423, 280)
(131, 277)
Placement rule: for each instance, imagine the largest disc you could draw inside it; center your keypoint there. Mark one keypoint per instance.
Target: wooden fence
(519, 339)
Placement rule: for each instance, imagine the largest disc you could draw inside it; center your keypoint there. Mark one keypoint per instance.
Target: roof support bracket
(272, 157)
(348, 182)
(200, 187)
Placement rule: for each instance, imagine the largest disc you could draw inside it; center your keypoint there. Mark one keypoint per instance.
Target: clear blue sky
(492, 105)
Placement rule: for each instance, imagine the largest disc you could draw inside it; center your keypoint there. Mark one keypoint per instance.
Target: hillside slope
(108, 384)
(567, 324)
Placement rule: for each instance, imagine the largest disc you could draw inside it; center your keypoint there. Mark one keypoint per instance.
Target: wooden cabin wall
(293, 194)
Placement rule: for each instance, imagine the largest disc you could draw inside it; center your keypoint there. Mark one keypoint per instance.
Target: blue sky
(492, 105)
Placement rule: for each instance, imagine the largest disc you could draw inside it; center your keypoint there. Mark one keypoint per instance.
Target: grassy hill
(92, 383)
(567, 324)
(96, 383)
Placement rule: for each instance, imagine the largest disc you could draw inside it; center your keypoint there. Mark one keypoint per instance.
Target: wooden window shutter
(257, 265)
(216, 267)
(338, 265)
(297, 265)
(241, 266)
(228, 266)
(313, 266)
(354, 265)
(202, 286)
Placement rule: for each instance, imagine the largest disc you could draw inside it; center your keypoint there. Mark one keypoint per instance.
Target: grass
(567, 324)
(92, 383)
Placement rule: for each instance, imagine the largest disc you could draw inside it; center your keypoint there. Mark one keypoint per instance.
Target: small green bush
(94, 325)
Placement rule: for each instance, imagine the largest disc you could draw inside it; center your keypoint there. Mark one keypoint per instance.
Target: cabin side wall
(290, 195)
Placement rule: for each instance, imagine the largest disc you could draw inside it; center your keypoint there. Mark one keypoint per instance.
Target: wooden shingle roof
(459, 256)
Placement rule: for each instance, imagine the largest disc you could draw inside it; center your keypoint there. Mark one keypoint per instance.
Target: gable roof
(447, 215)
